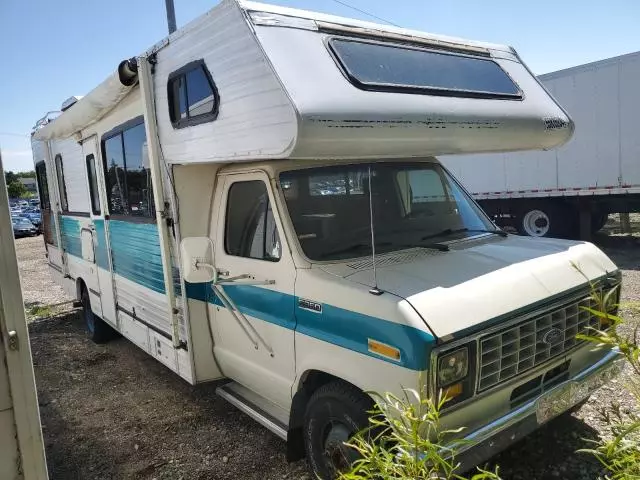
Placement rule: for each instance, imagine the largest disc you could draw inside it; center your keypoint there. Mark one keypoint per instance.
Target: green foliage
(16, 189)
(406, 441)
(40, 311)
(619, 453)
(10, 177)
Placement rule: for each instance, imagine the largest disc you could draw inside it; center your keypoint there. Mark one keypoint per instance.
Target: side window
(250, 228)
(138, 176)
(93, 184)
(192, 95)
(61, 186)
(128, 178)
(43, 186)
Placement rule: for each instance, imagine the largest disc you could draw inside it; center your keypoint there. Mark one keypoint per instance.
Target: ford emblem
(552, 337)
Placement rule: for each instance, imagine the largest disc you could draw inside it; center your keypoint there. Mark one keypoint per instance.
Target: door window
(93, 184)
(250, 228)
(61, 185)
(43, 187)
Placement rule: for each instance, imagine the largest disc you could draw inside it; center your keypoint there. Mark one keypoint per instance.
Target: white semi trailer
(569, 190)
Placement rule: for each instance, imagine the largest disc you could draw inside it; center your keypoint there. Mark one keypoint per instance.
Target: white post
(162, 215)
(14, 335)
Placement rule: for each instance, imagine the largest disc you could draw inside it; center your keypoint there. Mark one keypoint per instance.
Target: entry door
(257, 276)
(94, 238)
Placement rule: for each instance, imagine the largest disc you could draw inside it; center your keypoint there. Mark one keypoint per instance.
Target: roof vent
(69, 102)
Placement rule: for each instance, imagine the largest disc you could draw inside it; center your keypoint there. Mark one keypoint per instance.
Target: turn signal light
(452, 391)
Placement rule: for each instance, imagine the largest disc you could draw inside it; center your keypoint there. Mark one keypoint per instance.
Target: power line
(11, 134)
(345, 4)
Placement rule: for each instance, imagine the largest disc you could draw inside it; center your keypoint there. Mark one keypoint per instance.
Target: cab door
(253, 301)
(94, 238)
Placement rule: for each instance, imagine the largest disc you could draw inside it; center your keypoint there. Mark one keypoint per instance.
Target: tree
(16, 189)
(10, 177)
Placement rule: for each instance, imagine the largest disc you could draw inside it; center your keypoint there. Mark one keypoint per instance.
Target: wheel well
(310, 381)
(80, 286)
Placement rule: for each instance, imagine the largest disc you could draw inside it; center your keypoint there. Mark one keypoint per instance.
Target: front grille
(519, 348)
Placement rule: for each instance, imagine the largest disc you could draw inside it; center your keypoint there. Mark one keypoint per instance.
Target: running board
(260, 409)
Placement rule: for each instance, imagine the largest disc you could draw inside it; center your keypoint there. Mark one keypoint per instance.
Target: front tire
(97, 330)
(336, 411)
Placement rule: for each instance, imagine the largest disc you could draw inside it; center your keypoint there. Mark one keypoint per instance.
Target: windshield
(414, 205)
(21, 222)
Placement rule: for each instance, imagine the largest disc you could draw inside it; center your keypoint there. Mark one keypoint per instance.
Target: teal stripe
(101, 249)
(338, 326)
(70, 233)
(135, 253)
(352, 330)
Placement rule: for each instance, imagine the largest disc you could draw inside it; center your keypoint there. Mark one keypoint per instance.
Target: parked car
(22, 227)
(34, 217)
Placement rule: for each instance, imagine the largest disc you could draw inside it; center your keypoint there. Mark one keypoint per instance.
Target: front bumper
(487, 441)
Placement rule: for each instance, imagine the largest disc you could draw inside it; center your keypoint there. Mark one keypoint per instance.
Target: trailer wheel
(97, 330)
(598, 221)
(546, 220)
(336, 411)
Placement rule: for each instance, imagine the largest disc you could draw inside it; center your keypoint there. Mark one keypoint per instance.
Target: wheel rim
(536, 223)
(338, 456)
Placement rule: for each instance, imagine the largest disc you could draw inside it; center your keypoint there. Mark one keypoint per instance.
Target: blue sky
(52, 49)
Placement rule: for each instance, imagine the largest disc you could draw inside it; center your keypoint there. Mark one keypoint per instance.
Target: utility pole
(171, 16)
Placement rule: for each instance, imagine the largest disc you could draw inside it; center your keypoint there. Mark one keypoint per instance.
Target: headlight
(453, 367)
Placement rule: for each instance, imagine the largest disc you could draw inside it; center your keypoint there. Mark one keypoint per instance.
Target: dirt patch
(111, 411)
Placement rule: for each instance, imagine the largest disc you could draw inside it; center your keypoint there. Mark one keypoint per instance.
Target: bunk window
(128, 177)
(43, 186)
(401, 68)
(193, 97)
(93, 184)
(62, 189)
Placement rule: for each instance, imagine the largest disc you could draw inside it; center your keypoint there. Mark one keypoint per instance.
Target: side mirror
(196, 254)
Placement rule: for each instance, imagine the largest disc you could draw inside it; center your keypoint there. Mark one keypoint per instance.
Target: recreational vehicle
(256, 198)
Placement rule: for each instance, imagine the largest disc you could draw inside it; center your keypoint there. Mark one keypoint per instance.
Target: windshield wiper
(434, 246)
(352, 248)
(451, 231)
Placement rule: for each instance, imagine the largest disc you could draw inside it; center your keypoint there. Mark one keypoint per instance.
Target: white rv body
(275, 96)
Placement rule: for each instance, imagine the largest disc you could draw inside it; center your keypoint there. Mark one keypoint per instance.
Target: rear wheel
(97, 330)
(336, 411)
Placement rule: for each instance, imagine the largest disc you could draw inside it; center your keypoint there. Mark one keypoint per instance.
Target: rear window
(388, 67)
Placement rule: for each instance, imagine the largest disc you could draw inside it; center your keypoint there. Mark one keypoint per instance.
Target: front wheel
(336, 412)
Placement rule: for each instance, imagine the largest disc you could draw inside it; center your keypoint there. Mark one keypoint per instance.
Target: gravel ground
(112, 411)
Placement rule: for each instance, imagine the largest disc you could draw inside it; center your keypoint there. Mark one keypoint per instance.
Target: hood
(480, 281)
